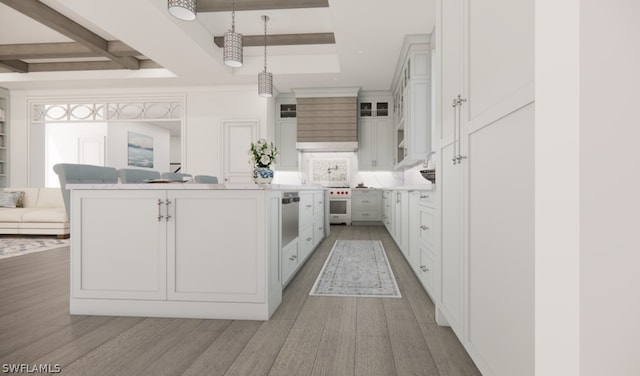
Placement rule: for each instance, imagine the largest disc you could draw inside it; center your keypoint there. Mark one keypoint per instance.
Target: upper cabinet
(286, 133)
(375, 132)
(4, 138)
(412, 102)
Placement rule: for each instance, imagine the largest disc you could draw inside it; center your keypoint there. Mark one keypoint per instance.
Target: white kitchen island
(175, 250)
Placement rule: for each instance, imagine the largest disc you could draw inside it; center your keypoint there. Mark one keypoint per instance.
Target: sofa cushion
(30, 197)
(12, 214)
(50, 198)
(45, 215)
(11, 199)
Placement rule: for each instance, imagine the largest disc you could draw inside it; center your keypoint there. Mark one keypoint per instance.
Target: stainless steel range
(340, 205)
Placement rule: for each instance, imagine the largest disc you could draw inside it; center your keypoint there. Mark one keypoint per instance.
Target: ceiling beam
(60, 50)
(227, 5)
(85, 66)
(282, 39)
(66, 26)
(15, 65)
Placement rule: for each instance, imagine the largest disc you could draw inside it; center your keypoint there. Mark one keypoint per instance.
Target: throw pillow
(11, 199)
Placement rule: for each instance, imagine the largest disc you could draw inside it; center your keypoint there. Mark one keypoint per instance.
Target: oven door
(340, 210)
(339, 206)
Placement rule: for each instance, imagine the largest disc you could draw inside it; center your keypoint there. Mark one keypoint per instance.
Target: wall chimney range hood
(327, 119)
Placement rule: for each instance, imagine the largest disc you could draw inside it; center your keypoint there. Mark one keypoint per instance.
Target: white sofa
(43, 213)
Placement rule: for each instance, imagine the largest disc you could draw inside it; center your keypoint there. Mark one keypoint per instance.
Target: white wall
(117, 141)
(206, 108)
(587, 238)
(62, 143)
(609, 177)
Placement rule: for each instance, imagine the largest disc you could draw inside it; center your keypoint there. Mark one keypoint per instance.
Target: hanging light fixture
(265, 79)
(182, 9)
(233, 43)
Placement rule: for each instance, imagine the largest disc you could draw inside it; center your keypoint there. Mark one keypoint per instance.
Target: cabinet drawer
(318, 203)
(306, 206)
(305, 241)
(365, 215)
(426, 221)
(289, 261)
(318, 231)
(426, 199)
(425, 269)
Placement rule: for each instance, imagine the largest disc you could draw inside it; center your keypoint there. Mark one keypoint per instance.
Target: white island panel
(216, 246)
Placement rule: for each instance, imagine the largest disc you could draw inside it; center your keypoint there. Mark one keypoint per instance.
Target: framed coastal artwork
(140, 150)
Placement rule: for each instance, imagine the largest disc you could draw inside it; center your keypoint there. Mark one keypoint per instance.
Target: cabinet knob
(308, 239)
(423, 227)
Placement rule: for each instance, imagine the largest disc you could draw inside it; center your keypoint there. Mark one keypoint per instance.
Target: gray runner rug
(356, 268)
(16, 245)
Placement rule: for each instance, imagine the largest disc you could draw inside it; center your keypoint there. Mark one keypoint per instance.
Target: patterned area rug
(356, 268)
(11, 245)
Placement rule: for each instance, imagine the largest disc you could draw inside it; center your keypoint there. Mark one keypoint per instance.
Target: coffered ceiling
(312, 43)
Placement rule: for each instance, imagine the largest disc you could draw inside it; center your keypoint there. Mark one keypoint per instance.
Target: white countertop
(193, 186)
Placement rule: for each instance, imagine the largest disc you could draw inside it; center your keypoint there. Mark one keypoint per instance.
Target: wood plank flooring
(308, 335)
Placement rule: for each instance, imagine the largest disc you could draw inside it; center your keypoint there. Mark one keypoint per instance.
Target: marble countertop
(194, 186)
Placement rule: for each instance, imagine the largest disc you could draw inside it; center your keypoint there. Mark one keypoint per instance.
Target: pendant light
(265, 79)
(233, 43)
(182, 9)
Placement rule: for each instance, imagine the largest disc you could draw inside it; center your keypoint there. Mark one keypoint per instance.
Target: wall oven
(340, 206)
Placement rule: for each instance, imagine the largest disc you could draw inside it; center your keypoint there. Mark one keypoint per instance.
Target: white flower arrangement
(262, 153)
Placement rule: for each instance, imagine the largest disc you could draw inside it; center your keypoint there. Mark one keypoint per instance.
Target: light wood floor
(308, 335)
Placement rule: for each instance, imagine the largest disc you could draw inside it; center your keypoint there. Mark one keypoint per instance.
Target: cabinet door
(318, 230)
(426, 269)
(305, 241)
(383, 154)
(120, 233)
(366, 144)
(450, 188)
(306, 207)
(238, 136)
(214, 254)
(318, 204)
(289, 261)
(449, 30)
(287, 159)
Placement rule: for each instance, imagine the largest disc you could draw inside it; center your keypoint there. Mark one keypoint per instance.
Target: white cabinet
(374, 144)
(400, 218)
(375, 133)
(286, 133)
(366, 205)
(412, 88)
(121, 250)
(486, 170)
(311, 231)
(4, 138)
(175, 253)
(287, 159)
(387, 211)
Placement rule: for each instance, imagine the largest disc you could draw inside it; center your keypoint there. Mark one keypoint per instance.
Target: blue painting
(140, 148)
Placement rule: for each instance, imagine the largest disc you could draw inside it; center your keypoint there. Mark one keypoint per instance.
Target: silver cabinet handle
(363, 201)
(167, 203)
(160, 216)
(308, 239)
(460, 101)
(423, 227)
(365, 214)
(424, 196)
(308, 206)
(424, 268)
(320, 228)
(293, 257)
(455, 129)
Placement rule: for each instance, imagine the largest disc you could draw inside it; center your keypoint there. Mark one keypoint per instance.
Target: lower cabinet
(366, 205)
(311, 231)
(290, 260)
(215, 251)
(413, 229)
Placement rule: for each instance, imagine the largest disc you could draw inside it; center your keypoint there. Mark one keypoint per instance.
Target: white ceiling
(368, 36)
